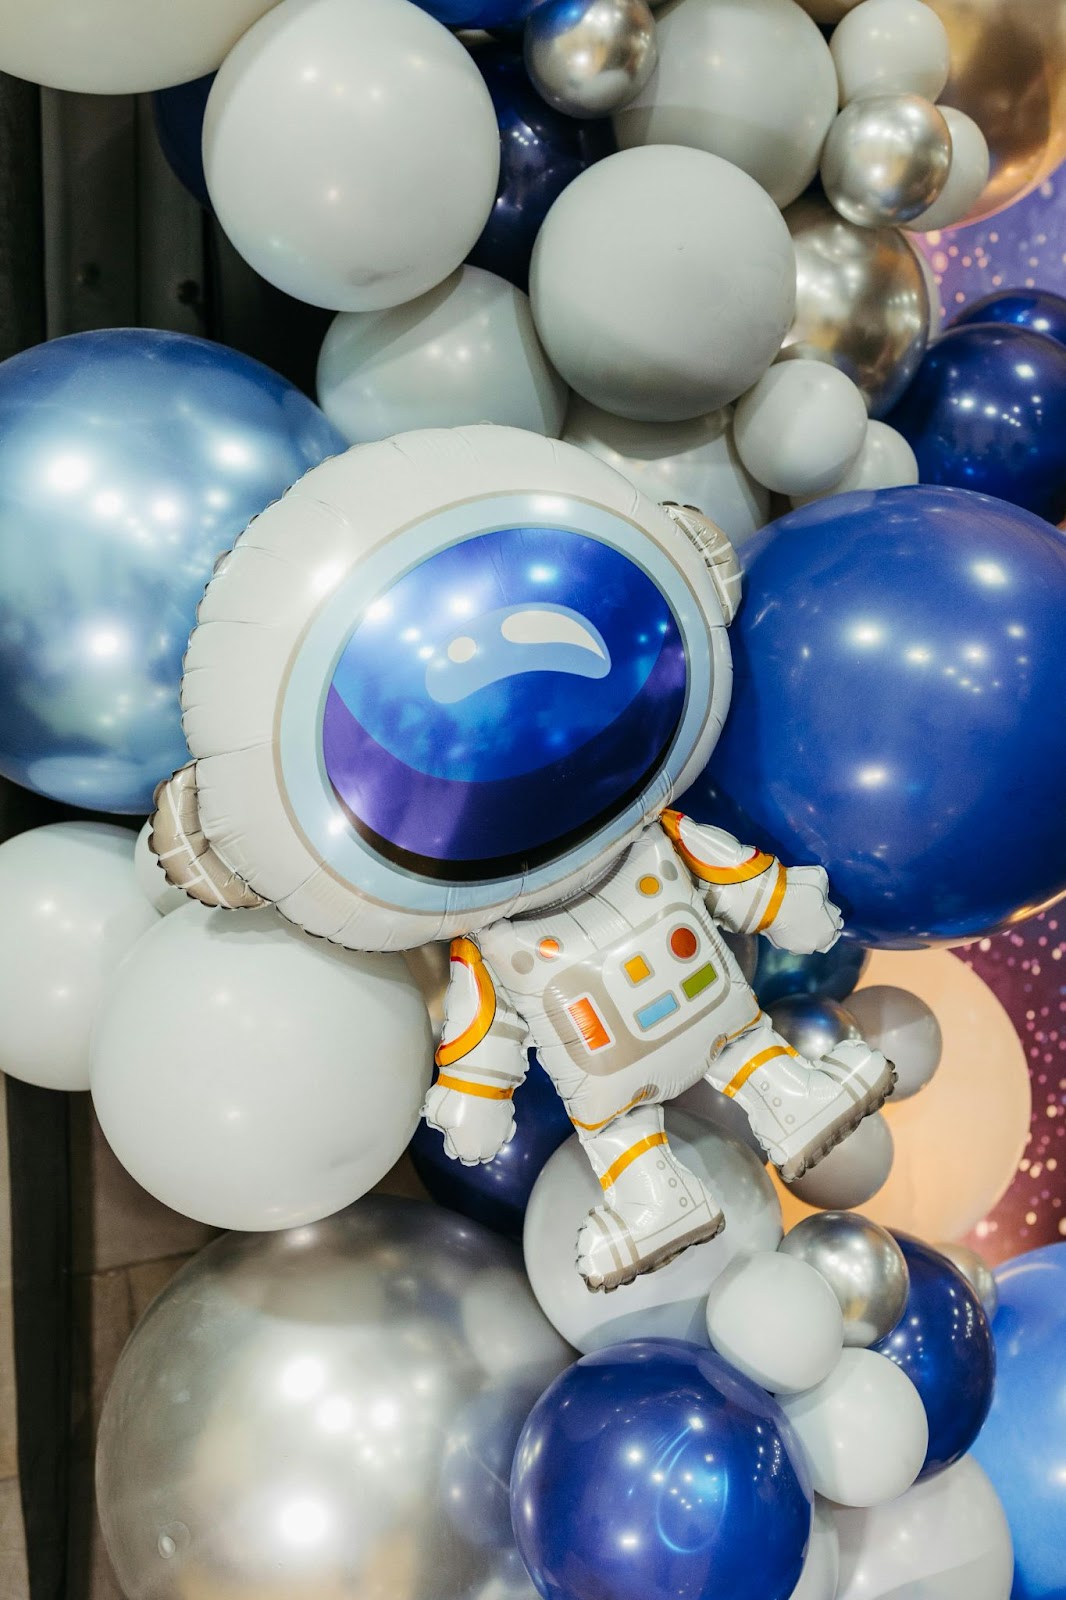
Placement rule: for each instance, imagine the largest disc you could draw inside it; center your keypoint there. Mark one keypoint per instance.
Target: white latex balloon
(466, 351)
(776, 1320)
(905, 1028)
(665, 1304)
(885, 460)
(891, 47)
(694, 463)
(801, 426)
(351, 151)
(120, 46)
(852, 1173)
(967, 176)
(254, 1077)
(863, 1430)
(754, 83)
(70, 909)
(630, 272)
(818, 1580)
(945, 1539)
(151, 879)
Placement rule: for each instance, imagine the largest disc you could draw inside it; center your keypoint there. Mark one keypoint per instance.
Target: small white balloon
(966, 180)
(776, 1320)
(905, 1028)
(863, 1430)
(947, 1538)
(669, 1303)
(151, 878)
(891, 47)
(693, 463)
(852, 1173)
(253, 1077)
(818, 1580)
(801, 426)
(886, 461)
(70, 910)
(466, 351)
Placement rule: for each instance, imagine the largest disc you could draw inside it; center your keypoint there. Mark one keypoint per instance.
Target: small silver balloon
(589, 58)
(977, 1272)
(862, 1264)
(886, 159)
(862, 303)
(812, 1024)
(328, 1411)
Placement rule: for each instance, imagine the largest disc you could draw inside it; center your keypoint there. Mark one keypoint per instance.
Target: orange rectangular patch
(590, 1024)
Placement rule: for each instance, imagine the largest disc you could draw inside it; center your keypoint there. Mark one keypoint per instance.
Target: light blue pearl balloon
(130, 460)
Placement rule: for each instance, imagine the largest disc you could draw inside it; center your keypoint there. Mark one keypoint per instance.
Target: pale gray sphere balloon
(588, 58)
(862, 1264)
(852, 1173)
(886, 159)
(329, 1411)
(902, 1026)
(813, 1025)
(977, 1272)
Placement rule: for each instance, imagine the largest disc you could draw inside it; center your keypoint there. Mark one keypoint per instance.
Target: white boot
(654, 1207)
(800, 1110)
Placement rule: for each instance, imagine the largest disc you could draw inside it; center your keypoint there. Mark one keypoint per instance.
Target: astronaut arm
(481, 1060)
(749, 891)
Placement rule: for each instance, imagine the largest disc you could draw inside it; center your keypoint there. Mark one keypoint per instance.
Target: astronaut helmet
(446, 679)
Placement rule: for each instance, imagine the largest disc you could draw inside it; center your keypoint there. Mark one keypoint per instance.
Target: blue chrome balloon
(1036, 309)
(653, 1471)
(944, 1345)
(179, 126)
(780, 974)
(130, 460)
(987, 411)
(497, 1192)
(1021, 1445)
(898, 684)
(541, 151)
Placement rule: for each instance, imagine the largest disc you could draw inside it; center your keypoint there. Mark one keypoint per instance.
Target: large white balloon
(777, 1320)
(665, 1304)
(465, 351)
(885, 461)
(694, 463)
(852, 1173)
(351, 151)
(863, 1430)
(754, 83)
(905, 1029)
(70, 909)
(801, 427)
(253, 1077)
(891, 47)
(945, 1539)
(632, 271)
(120, 46)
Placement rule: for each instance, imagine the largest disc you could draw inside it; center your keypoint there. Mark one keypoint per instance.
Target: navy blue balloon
(987, 411)
(833, 975)
(653, 1471)
(498, 1192)
(179, 126)
(541, 151)
(1021, 1444)
(1036, 309)
(489, 14)
(898, 683)
(944, 1345)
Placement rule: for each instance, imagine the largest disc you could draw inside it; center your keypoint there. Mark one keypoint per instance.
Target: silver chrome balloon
(886, 159)
(588, 58)
(863, 1265)
(977, 1272)
(862, 302)
(325, 1412)
(812, 1024)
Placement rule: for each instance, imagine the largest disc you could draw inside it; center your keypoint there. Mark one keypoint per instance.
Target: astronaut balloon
(447, 688)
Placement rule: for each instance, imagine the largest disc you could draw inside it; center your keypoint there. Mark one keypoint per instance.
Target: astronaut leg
(653, 1206)
(798, 1109)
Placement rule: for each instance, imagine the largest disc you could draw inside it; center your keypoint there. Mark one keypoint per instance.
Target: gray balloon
(977, 1272)
(862, 302)
(588, 58)
(886, 159)
(812, 1024)
(862, 1264)
(324, 1412)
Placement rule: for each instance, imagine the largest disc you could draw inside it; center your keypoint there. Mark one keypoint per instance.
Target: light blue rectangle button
(650, 1014)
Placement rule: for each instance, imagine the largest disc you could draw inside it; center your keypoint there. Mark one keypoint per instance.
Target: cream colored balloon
(120, 46)
(970, 166)
(958, 1142)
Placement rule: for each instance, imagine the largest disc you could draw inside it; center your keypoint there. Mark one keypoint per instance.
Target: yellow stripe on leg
(484, 1091)
(626, 1159)
(739, 1079)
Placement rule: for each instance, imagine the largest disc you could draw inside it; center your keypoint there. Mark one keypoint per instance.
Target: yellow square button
(636, 969)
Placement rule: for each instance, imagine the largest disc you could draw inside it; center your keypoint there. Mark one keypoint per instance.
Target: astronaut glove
(807, 921)
(475, 1130)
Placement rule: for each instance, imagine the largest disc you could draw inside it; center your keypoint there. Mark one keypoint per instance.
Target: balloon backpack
(446, 689)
